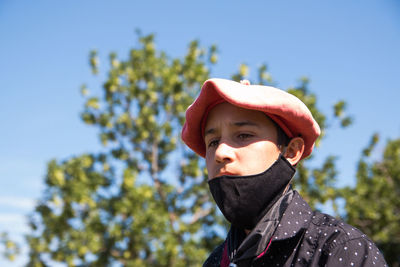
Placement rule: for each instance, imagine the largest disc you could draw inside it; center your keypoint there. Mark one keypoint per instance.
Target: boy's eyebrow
(245, 123)
(237, 124)
(209, 131)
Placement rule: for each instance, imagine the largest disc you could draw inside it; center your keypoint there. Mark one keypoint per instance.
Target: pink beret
(289, 112)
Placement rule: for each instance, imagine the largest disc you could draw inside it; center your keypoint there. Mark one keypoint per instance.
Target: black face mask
(244, 200)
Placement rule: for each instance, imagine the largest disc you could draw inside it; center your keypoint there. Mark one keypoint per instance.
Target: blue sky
(349, 50)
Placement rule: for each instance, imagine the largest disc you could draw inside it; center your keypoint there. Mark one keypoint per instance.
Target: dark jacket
(301, 237)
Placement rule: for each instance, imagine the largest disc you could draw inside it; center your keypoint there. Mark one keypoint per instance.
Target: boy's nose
(224, 153)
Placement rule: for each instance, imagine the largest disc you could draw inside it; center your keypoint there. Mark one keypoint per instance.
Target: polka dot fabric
(307, 238)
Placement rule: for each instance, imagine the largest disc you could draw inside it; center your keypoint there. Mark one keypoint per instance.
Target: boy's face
(239, 141)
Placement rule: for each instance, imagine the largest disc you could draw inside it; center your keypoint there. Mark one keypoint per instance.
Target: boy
(252, 137)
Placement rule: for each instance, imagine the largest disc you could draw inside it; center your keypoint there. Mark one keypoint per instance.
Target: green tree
(9, 249)
(373, 205)
(144, 200)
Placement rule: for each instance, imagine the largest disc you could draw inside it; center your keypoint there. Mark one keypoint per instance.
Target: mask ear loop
(289, 184)
(282, 149)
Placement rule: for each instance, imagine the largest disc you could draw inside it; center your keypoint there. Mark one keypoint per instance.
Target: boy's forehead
(234, 116)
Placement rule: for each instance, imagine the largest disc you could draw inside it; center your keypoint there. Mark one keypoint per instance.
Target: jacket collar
(287, 218)
(242, 247)
(295, 219)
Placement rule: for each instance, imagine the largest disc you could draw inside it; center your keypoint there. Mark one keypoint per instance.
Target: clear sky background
(349, 49)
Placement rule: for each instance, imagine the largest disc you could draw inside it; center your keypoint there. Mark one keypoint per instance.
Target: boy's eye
(213, 143)
(244, 136)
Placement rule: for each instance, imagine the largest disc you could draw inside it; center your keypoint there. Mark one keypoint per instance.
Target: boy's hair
(283, 139)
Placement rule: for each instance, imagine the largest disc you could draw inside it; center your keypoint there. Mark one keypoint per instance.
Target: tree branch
(200, 214)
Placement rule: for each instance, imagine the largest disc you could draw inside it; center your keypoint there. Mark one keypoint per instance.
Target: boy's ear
(294, 150)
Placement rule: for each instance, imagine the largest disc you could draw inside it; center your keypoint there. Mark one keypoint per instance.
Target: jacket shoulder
(345, 245)
(336, 230)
